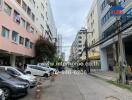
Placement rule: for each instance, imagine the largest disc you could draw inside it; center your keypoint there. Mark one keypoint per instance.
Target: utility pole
(122, 61)
(86, 50)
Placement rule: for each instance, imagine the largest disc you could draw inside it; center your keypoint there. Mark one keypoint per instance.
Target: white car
(47, 67)
(21, 75)
(37, 70)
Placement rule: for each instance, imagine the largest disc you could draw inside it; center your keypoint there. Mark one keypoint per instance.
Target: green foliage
(117, 68)
(125, 86)
(44, 50)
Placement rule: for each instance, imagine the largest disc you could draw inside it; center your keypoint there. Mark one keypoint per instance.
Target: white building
(92, 25)
(107, 26)
(59, 45)
(63, 56)
(78, 47)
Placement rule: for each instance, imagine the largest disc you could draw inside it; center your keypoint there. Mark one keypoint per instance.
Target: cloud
(69, 17)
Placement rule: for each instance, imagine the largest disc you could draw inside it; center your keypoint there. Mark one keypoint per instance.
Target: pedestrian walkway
(106, 75)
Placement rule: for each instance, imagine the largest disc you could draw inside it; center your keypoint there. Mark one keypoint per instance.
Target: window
(28, 27)
(33, 67)
(21, 40)
(29, 11)
(1, 3)
(18, 1)
(79, 37)
(79, 45)
(80, 32)
(31, 45)
(104, 4)
(33, 2)
(17, 17)
(47, 15)
(5, 32)
(42, 28)
(42, 6)
(27, 43)
(32, 30)
(24, 6)
(79, 41)
(79, 50)
(12, 72)
(23, 22)
(42, 17)
(7, 9)
(15, 37)
(106, 17)
(33, 17)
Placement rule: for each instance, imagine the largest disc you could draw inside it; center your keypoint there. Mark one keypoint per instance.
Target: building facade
(107, 26)
(59, 45)
(92, 25)
(21, 24)
(78, 47)
(63, 56)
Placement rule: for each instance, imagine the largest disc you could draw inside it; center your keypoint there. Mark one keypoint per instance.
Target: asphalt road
(80, 87)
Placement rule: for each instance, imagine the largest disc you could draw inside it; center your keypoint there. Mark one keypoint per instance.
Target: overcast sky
(69, 17)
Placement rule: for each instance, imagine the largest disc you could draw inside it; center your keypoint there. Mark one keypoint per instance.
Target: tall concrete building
(63, 56)
(77, 47)
(21, 23)
(59, 45)
(107, 26)
(92, 25)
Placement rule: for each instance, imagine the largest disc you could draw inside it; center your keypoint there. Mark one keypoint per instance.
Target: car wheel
(7, 92)
(45, 75)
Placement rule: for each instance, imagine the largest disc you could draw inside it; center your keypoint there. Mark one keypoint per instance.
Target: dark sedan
(11, 86)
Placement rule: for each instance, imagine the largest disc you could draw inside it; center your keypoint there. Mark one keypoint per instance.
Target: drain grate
(111, 98)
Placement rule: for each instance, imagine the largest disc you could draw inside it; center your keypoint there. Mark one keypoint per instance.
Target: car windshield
(45, 66)
(21, 71)
(4, 75)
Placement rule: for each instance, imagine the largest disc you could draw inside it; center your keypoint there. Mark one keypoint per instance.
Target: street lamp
(86, 49)
(122, 62)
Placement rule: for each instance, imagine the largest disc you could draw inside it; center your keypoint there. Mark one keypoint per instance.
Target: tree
(44, 50)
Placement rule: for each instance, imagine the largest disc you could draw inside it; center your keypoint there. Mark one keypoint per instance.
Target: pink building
(18, 33)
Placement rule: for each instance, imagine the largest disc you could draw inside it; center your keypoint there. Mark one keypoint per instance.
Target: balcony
(126, 20)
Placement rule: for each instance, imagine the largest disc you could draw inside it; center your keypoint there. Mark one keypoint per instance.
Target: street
(80, 87)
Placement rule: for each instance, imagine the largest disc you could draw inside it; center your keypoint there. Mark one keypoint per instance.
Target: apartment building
(59, 45)
(92, 25)
(21, 23)
(63, 56)
(107, 25)
(78, 47)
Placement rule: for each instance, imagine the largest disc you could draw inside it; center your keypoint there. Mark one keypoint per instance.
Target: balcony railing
(125, 20)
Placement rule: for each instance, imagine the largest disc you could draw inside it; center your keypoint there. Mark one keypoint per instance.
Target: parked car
(2, 96)
(61, 68)
(11, 86)
(47, 67)
(37, 70)
(20, 74)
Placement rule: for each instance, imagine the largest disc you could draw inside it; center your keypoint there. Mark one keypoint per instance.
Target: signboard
(117, 10)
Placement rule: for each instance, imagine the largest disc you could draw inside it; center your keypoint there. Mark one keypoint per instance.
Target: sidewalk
(106, 75)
